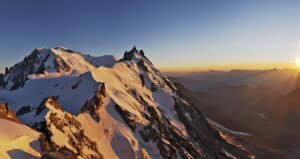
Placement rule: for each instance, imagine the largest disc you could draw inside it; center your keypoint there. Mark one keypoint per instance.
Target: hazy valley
(263, 104)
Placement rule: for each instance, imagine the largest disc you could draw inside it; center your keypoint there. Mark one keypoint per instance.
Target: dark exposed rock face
(128, 55)
(205, 142)
(142, 78)
(35, 63)
(170, 142)
(128, 117)
(91, 106)
(76, 85)
(6, 70)
(19, 72)
(69, 126)
(142, 65)
(61, 153)
(169, 84)
(2, 83)
(7, 113)
(42, 106)
(23, 110)
(153, 87)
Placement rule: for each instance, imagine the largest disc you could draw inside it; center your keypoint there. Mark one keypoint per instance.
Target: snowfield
(18, 141)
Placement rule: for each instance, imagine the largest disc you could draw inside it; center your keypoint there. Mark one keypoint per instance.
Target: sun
(298, 61)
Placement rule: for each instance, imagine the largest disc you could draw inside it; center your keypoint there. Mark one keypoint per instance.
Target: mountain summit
(102, 108)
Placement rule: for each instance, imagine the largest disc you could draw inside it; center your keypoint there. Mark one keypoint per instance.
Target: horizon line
(229, 67)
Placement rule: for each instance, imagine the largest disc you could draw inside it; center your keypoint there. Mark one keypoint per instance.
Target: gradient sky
(193, 34)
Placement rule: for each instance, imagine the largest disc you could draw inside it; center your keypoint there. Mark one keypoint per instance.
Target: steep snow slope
(65, 85)
(106, 60)
(122, 109)
(18, 141)
(26, 101)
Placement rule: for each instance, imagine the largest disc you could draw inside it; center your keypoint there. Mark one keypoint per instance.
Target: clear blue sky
(177, 33)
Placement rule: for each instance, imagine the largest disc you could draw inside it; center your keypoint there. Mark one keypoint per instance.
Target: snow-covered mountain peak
(40, 61)
(53, 62)
(92, 107)
(63, 48)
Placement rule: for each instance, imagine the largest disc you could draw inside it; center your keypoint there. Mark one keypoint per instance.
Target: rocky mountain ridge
(87, 107)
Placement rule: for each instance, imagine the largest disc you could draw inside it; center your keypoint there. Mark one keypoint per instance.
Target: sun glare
(298, 61)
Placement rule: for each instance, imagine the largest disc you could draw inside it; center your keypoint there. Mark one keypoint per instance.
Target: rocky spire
(7, 113)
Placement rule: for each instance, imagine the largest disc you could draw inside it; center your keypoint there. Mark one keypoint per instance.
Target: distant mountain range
(281, 80)
(264, 104)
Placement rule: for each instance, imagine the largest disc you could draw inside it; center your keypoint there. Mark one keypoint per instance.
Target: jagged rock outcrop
(62, 124)
(7, 113)
(39, 61)
(91, 106)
